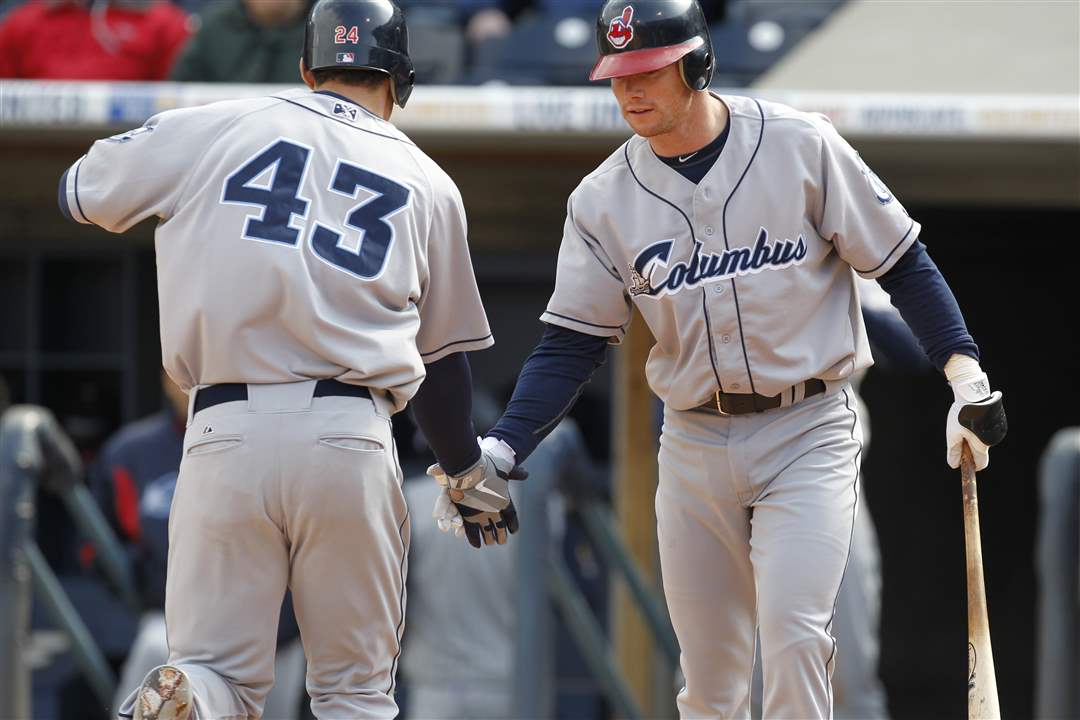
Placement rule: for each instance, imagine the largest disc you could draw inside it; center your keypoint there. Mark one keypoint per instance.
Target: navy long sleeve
(549, 384)
(442, 408)
(918, 290)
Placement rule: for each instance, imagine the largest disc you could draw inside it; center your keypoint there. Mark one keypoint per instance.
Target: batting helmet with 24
(362, 35)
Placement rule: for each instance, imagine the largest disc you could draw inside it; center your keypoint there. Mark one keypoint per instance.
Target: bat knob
(986, 419)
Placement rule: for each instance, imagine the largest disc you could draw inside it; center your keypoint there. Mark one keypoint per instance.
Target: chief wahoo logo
(621, 31)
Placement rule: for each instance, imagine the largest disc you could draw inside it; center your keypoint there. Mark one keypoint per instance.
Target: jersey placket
(718, 296)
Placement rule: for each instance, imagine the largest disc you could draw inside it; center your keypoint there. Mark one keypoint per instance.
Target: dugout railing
(35, 452)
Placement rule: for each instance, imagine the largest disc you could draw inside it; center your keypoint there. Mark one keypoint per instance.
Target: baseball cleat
(165, 695)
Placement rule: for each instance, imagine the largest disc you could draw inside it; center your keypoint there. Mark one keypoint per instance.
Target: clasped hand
(476, 503)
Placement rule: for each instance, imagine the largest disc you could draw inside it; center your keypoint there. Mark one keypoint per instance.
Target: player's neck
(705, 121)
(375, 100)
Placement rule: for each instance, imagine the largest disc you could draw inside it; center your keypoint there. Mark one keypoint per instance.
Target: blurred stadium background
(968, 109)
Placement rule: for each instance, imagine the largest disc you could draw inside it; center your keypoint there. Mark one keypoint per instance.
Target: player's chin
(646, 124)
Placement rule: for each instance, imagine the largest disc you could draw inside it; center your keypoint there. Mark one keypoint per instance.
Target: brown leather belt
(724, 403)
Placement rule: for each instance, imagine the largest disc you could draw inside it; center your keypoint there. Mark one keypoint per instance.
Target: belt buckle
(719, 406)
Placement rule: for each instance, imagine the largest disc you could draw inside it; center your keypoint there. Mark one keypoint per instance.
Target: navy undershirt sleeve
(549, 384)
(442, 408)
(926, 303)
(61, 197)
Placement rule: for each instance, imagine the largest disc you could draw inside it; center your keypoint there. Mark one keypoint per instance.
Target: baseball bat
(982, 682)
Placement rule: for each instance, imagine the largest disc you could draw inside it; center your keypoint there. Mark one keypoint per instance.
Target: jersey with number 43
(300, 237)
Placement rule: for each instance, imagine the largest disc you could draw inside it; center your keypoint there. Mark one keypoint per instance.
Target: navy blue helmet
(638, 36)
(361, 34)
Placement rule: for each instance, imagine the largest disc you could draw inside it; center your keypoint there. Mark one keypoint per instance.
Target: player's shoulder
(439, 179)
(209, 118)
(783, 121)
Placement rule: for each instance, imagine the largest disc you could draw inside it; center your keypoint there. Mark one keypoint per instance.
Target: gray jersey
(300, 237)
(745, 279)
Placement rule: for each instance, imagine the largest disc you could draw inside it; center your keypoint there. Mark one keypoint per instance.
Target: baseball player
(736, 228)
(312, 268)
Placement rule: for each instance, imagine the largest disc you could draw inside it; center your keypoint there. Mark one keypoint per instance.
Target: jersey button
(709, 230)
(725, 339)
(718, 289)
(736, 386)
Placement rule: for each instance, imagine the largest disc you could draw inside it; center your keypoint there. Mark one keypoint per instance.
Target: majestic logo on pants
(710, 267)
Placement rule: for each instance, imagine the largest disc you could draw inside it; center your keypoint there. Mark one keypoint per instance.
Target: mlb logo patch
(346, 57)
(346, 111)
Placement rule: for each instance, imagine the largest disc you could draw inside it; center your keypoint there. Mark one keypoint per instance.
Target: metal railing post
(601, 529)
(17, 460)
(88, 655)
(590, 639)
(1058, 565)
(534, 686)
(35, 451)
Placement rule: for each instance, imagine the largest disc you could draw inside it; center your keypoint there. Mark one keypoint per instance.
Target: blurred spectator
(92, 40)
(246, 41)
(133, 481)
(5, 395)
(481, 17)
(7, 6)
(439, 44)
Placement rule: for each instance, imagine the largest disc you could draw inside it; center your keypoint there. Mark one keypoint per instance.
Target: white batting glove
(974, 406)
(447, 517)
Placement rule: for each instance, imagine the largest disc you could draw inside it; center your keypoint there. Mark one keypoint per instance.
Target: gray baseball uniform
(746, 281)
(299, 238)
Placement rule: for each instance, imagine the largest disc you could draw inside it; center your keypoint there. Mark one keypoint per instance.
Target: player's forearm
(928, 306)
(548, 386)
(442, 408)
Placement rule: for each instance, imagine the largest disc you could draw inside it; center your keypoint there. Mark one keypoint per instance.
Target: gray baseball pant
(755, 515)
(287, 490)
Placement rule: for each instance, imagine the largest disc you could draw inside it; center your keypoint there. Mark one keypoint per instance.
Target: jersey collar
(339, 96)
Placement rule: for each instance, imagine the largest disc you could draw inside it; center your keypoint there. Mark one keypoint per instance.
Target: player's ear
(306, 75)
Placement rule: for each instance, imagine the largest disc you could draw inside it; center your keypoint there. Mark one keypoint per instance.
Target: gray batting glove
(464, 516)
(477, 502)
(496, 459)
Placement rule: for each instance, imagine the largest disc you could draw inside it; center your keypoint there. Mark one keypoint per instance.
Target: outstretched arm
(547, 388)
